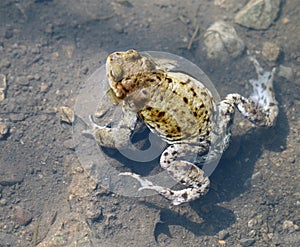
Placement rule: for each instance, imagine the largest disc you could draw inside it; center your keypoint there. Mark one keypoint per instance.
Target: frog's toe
(145, 184)
(93, 123)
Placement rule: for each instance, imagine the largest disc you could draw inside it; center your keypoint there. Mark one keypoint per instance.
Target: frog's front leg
(118, 136)
(175, 159)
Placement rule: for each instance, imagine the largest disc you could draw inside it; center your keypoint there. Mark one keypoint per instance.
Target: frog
(182, 111)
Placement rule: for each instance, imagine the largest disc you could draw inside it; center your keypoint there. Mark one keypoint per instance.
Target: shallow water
(49, 49)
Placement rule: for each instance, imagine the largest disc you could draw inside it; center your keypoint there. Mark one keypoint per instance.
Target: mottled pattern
(181, 110)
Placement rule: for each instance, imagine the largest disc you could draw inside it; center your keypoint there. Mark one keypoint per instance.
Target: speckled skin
(181, 110)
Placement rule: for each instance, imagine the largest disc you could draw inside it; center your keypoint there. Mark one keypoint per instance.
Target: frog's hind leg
(261, 108)
(183, 171)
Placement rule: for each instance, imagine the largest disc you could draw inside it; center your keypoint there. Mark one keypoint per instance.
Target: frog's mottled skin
(181, 110)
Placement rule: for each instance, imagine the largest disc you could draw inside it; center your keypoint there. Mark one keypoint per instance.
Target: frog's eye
(133, 54)
(116, 73)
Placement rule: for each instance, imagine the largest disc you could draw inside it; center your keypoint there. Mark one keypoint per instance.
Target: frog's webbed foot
(263, 92)
(176, 196)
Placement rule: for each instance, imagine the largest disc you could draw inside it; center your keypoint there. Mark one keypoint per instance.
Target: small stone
(55, 55)
(118, 28)
(17, 117)
(67, 115)
(285, 20)
(85, 70)
(44, 87)
(5, 63)
(2, 95)
(22, 216)
(270, 51)
(245, 242)
(68, 50)
(3, 86)
(289, 225)
(222, 242)
(35, 50)
(8, 33)
(11, 179)
(286, 72)
(93, 211)
(69, 143)
(37, 77)
(223, 235)
(49, 29)
(22, 80)
(3, 202)
(222, 41)
(258, 14)
(4, 129)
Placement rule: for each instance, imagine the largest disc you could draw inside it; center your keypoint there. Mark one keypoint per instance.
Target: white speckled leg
(174, 160)
(261, 108)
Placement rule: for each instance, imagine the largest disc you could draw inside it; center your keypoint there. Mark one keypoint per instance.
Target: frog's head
(122, 69)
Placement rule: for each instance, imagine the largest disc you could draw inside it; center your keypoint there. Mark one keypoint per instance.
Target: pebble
(289, 225)
(286, 72)
(5, 63)
(118, 28)
(258, 14)
(10, 179)
(44, 87)
(285, 20)
(22, 216)
(85, 70)
(4, 129)
(3, 202)
(35, 50)
(245, 242)
(222, 41)
(221, 242)
(8, 33)
(270, 51)
(223, 234)
(69, 143)
(3, 86)
(22, 80)
(66, 115)
(17, 117)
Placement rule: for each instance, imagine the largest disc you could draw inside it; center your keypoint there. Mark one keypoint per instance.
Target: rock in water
(258, 14)
(222, 41)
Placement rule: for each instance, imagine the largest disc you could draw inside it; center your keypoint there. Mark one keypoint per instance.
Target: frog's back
(180, 108)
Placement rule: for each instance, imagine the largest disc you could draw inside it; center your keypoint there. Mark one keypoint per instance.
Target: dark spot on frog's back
(185, 82)
(193, 92)
(169, 80)
(185, 99)
(161, 114)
